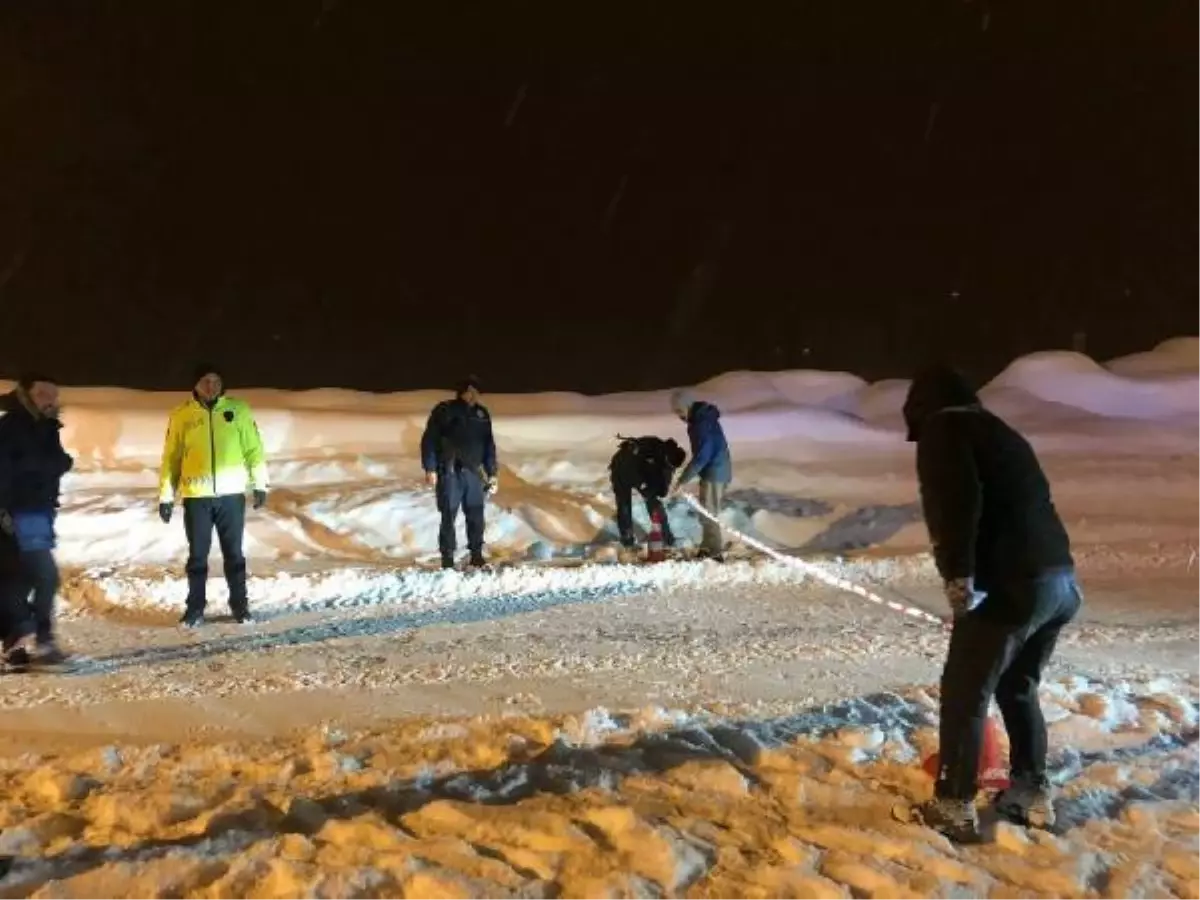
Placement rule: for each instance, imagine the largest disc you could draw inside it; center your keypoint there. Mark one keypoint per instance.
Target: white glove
(493, 485)
(962, 596)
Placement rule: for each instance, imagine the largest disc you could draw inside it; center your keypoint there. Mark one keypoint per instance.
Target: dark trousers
(460, 489)
(1001, 649)
(624, 497)
(15, 620)
(228, 515)
(38, 586)
(712, 498)
(27, 604)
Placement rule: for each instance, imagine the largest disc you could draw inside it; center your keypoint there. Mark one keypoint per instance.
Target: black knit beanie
(466, 384)
(203, 369)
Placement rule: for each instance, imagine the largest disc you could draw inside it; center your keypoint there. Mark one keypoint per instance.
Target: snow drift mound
(735, 391)
(1178, 356)
(1075, 380)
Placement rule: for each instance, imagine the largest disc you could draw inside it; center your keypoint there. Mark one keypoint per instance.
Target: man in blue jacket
(32, 464)
(458, 454)
(710, 462)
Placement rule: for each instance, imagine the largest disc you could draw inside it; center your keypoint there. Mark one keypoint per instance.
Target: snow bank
(1178, 356)
(420, 592)
(118, 429)
(1071, 379)
(347, 481)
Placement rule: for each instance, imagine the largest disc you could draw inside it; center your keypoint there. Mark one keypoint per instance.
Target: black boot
(17, 660)
(956, 819)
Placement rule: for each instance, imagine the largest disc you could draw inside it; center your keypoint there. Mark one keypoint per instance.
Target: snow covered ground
(573, 726)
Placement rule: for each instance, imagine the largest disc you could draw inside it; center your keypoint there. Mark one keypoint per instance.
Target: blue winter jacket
(710, 451)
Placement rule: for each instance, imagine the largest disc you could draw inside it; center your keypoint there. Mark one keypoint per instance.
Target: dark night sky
(387, 195)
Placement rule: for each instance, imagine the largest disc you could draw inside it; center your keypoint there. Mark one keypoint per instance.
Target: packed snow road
(763, 729)
(751, 637)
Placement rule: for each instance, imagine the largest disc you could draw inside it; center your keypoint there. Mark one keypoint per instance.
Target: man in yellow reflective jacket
(213, 453)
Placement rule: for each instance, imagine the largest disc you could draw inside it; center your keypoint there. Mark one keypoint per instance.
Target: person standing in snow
(644, 464)
(212, 453)
(14, 611)
(710, 463)
(458, 454)
(32, 464)
(1005, 560)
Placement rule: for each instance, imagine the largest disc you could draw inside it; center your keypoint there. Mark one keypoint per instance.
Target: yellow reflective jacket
(211, 452)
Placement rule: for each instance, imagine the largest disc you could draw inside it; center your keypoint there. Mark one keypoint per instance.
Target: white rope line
(816, 571)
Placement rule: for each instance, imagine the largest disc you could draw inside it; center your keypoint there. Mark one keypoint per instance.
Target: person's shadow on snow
(865, 527)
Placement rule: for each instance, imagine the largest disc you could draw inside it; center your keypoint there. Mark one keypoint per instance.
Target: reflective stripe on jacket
(211, 452)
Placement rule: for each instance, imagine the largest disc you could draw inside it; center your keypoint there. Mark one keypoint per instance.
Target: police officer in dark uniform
(644, 464)
(458, 455)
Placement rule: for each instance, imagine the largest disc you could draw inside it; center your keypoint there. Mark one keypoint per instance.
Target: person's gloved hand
(431, 478)
(491, 485)
(962, 596)
(164, 511)
(6, 523)
(260, 499)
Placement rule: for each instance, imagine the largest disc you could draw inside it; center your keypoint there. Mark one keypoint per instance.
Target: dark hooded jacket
(986, 500)
(645, 464)
(32, 459)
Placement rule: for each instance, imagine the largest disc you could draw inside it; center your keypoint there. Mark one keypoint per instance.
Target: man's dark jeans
(228, 515)
(1001, 649)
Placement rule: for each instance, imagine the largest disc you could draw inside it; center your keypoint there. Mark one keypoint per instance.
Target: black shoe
(49, 654)
(17, 660)
(245, 617)
(192, 619)
(448, 562)
(477, 561)
(6, 863)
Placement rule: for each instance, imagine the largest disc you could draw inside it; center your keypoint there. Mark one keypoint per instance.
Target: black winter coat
(986, 500)
(32, 459)
(459, 436)
(645, 464)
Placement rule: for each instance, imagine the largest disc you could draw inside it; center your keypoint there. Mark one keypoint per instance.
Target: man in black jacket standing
(32, 464)
(1005, 560)
(458, 454)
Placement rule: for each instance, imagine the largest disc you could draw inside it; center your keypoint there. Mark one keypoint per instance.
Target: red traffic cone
(655, 550)
(993, 774)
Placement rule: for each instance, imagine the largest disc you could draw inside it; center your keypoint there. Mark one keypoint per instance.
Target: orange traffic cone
(655, 550)
(993, 774)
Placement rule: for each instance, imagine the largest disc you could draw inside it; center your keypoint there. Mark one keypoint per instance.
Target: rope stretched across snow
(816, 571)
